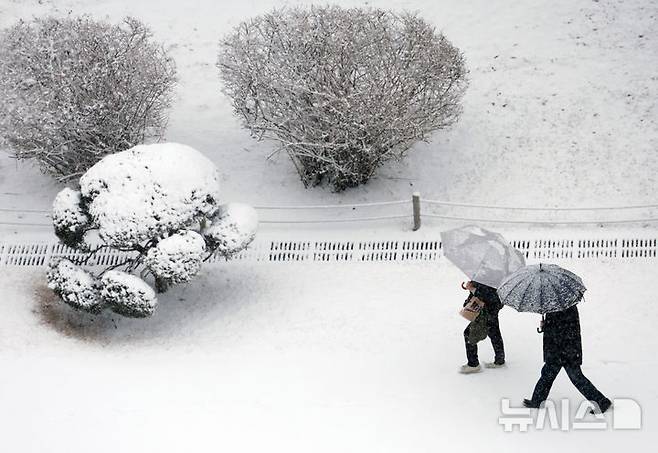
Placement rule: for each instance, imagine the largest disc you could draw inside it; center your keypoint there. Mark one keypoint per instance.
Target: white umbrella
(484, 256)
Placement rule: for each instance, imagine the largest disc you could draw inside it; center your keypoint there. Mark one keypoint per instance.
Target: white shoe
(467, 369)
(494, 365)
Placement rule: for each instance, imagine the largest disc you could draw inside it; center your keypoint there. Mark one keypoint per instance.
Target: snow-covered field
(561, 108)
(561, 111)
(318, 357)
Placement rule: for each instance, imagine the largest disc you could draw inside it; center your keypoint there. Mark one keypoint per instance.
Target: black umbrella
(541, 288)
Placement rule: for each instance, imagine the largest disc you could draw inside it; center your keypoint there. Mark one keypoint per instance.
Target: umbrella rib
(567, 272)
(479, 266)
(555, 288)
(508, 259)
(569, 283)
(566, 282)
(559, 281)
(483, 261)
(541, 291)
(528, 287)
(514, 287)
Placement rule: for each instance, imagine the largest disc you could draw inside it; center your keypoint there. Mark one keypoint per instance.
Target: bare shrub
(342, 90)
(76, 89)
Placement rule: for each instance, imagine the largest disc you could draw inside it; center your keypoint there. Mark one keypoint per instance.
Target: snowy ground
(561, 111)
(306, 358)
(562, 102)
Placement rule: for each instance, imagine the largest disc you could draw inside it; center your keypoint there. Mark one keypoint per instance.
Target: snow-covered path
(319, 357)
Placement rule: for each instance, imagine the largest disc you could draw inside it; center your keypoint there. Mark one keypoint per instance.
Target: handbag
(477, 329)
(472, 308)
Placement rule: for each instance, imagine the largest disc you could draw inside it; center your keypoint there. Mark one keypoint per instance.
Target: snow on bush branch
(77, 89)
(342, 90)
(161, 204)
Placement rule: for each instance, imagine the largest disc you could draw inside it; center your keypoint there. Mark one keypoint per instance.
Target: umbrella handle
(540, 329)
(464, 285)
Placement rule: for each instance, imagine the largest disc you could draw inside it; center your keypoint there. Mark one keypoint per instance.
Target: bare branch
(77, 89)
(342, 90)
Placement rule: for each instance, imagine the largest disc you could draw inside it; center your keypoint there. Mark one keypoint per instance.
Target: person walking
(485, 325)
(563, 349)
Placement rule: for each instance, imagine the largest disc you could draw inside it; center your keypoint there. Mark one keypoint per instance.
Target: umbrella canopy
(541, 288)
(484, 256)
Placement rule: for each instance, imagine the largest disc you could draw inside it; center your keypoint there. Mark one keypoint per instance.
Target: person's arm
(489, 295)
(484, 292)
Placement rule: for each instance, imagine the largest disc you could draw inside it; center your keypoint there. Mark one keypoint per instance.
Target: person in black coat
(563, 349)
(493, 305)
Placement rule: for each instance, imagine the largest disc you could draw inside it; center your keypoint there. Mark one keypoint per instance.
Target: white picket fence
(396, 250)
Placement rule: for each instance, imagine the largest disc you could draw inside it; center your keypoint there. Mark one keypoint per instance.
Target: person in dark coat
(563, 349)
(492, 305)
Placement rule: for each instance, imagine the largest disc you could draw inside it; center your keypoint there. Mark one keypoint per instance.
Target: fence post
(415, 200)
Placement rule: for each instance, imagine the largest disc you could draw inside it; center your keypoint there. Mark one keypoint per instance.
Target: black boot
(604, 405)
(531, 404)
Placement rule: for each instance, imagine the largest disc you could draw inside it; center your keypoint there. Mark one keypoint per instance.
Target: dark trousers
(493, 332)
(550, 371)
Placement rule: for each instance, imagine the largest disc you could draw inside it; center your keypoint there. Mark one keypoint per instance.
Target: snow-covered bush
(177, 259)
(127, 294)
(74, 285)
(343, 90)
(149, 191)
(76, 89)
(160, 204)
(232, 229)
(69, 219)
